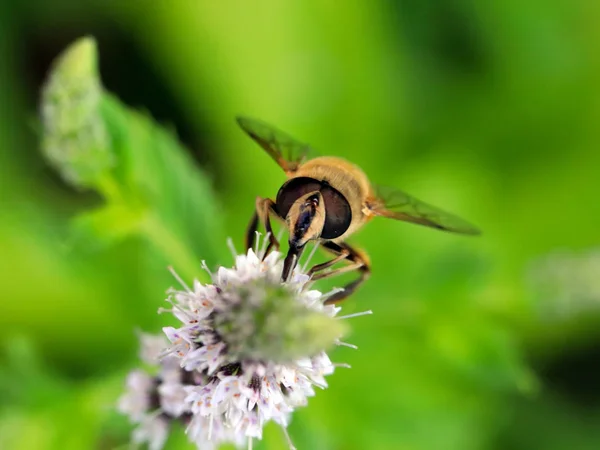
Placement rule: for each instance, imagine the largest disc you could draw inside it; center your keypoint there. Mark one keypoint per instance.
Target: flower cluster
(249, 349)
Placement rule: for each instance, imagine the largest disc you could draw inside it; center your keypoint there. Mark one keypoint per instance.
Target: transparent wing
(284, 149)
(398, 205)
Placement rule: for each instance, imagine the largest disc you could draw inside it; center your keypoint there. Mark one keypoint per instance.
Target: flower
(148, 400)
(249, 349)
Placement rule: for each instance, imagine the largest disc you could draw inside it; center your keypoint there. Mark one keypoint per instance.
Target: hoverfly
(327, 199)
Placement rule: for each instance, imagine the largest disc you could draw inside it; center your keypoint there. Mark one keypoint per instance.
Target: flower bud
(75, 138)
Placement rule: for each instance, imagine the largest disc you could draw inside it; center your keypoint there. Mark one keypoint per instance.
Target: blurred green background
(487, 109)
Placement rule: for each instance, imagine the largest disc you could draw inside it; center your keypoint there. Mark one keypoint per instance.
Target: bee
(326, 199)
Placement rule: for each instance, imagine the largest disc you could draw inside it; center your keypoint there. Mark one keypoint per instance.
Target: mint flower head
(249, 349)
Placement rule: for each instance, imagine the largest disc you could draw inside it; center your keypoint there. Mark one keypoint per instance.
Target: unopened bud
(75, 139)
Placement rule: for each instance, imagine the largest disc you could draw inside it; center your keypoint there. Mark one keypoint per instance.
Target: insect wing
(398, 205)
(288, 152)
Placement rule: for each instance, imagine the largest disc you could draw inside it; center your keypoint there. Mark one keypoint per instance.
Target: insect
(327, 199)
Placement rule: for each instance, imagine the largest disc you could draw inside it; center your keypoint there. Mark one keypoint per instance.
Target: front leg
(264, 208)
(358, 261)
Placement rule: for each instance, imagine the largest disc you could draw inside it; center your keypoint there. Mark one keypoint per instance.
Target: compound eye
(292, 191)
(338, 214)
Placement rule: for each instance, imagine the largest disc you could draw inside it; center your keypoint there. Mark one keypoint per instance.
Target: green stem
(182, 260)
(158, 234)
(109, 189)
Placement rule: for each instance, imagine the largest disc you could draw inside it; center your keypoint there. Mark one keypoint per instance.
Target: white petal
(154, 431)
(172, 399)
(151, 347)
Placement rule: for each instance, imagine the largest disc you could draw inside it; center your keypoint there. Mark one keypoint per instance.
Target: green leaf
(157, 174)
(106, 224)
(150, 184)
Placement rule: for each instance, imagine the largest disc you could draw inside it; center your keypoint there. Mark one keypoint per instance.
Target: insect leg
(251, 231)
(264, 208)
(343, 254)
(358, 261)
